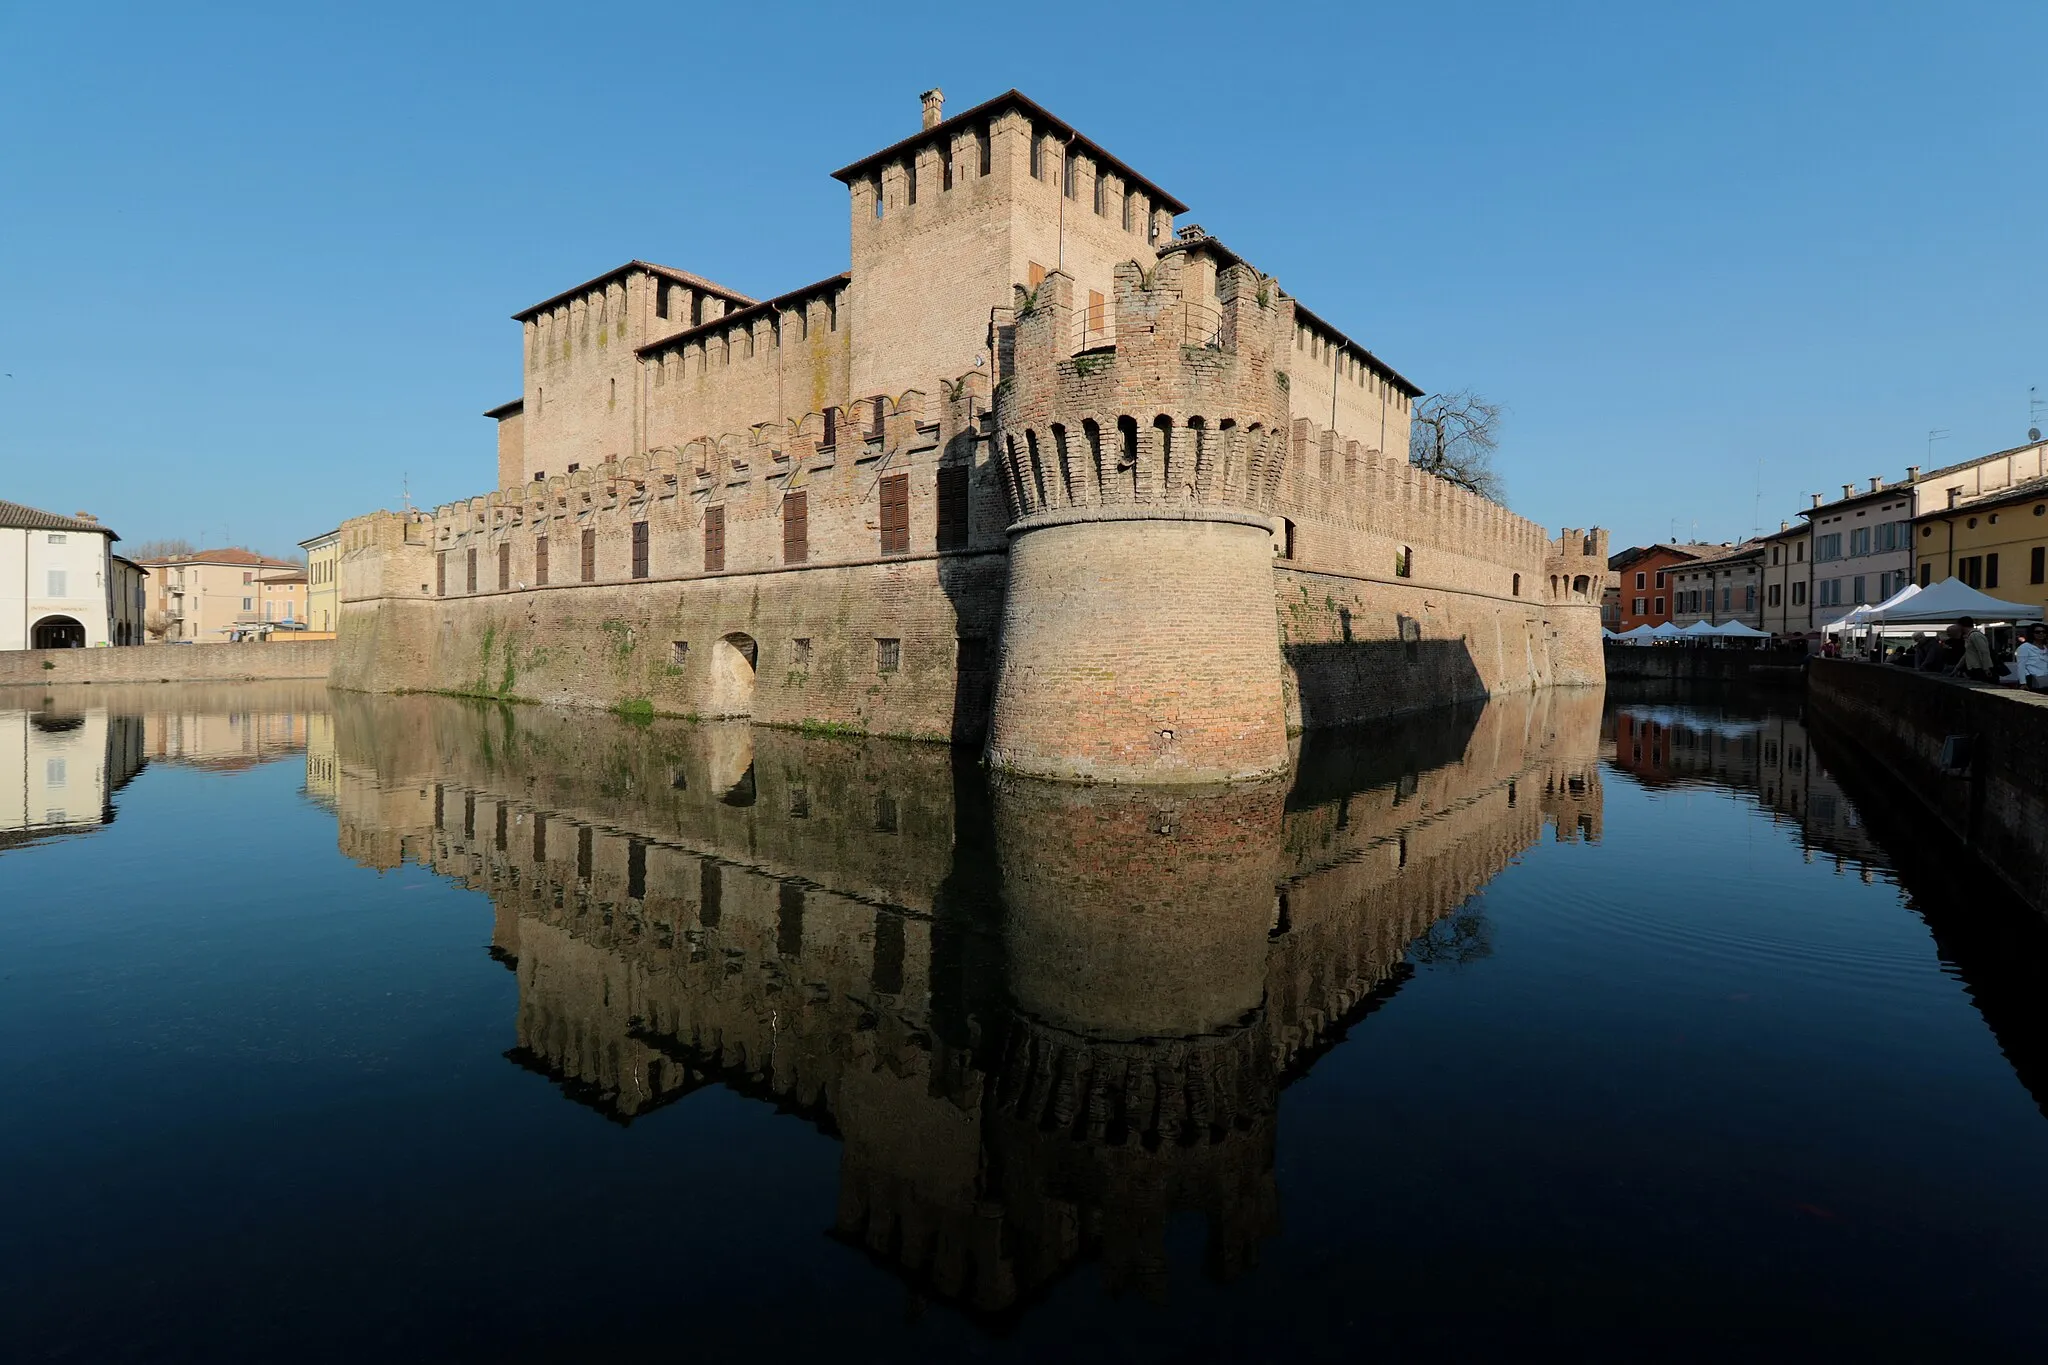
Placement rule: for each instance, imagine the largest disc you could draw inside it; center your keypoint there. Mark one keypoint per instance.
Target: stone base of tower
(1139, 645)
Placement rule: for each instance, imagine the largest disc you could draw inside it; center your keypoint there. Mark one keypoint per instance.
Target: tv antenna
(2035, 403)
(405, 490)
(1936, 434)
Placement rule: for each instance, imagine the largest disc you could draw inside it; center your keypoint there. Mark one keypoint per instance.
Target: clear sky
(256, 265)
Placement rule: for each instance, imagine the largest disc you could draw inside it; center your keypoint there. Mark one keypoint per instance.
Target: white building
(57, 582)
(59, 770)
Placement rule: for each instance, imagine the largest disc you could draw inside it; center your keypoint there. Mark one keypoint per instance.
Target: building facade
(207, 595)
(323, 585)
(1039, 470)
(1644, 591)
(58, 585)
(1727, 587)
(1996, 542)
(1862, 547)
(1788, 581)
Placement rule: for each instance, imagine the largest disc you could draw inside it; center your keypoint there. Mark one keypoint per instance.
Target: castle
(1039, 472)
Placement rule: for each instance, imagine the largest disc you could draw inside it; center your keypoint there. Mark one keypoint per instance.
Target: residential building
(323, 590)
(1642, 590)
(59, 769)
(1996, 542)
(1727, 587)
(57, 581)
(206, 595)
(1788, 581)
(1862, 546)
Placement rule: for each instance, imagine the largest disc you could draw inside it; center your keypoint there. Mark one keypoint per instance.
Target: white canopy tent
(1666, 631)
(1947, 601)
(1641, 635)
(1740, 630)
(1866, 615)
(1701, 627)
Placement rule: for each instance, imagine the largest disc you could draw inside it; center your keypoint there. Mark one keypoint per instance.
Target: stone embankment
(167, 663)
(1975, 756)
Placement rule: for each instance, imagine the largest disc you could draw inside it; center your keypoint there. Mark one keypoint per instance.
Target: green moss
(637, 710)
(1085, 365)
(48, 665)
(623, 643)
(1280, 378)
(836, 728)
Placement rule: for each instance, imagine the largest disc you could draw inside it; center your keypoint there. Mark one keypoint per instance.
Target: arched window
(1518, 585)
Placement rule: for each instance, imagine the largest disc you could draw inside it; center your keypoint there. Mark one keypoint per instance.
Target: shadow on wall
(1344, 683)
(966, 585)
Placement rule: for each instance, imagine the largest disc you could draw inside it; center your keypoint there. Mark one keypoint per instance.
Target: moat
(347, 1026)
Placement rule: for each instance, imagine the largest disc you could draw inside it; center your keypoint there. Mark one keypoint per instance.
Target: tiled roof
(17, 517)
(246, 559)
(2026, 490)
(667, 272)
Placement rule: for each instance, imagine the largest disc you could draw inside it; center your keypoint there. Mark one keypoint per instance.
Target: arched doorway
(732, 675)
(57, 632)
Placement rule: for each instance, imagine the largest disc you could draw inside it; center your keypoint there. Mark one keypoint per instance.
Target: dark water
(402, 1028)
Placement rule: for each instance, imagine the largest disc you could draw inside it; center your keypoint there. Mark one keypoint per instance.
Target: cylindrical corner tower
(1142, 453)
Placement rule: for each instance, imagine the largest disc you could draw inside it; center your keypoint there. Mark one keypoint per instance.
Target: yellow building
(323, 599)
(1996, 541)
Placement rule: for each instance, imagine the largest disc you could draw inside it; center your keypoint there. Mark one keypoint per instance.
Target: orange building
(1643, 572)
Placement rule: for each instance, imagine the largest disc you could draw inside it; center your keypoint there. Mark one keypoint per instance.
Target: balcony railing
(1095, 328)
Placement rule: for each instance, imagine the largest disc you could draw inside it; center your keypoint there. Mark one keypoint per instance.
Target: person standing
(1976, 661)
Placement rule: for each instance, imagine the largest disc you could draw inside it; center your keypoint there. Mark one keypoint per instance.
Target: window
(1771, 595)
(1798, 594)
(1070, 177)
(1726, 594)
(1926, 574)
(1034, 274)
(1774, 556)
(800, 652)
(1518, 585)
(1098, 192)
(573, 467)
(1658, 608)
(59, 583)
(1636, 606)
(1799, 552)
(1749, 598)
(441, 574)
(1991, 570)
(1660, 578)
(589, 556)
(896, 514)
(1037, 156)
(1641, 581)
(247, 579)
(1970, 568)
(2039, 571)
(1404, 562)
(981, 148)
(59, 538)
(796, 527)
(504, 565)
(249, 603)
(888, 655)
(1859, 541)
(831, 429)
(472, 574)
(678, 653)
(639, 549)
(540, 560)
(714, 539)
(1858, 589)
(953, 508)
(1827, 547)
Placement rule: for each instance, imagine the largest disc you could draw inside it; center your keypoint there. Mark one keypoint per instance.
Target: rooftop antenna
(405, 490)
(2035, 403)
(1756, 509)
(1937, 434)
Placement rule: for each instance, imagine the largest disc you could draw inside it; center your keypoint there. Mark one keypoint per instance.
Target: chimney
(1816, 498)
(1955, 496)
(1912, 473)
(1848, 490)
(1784, 526)
(1877, 483)
(934, 101)
(85, 516)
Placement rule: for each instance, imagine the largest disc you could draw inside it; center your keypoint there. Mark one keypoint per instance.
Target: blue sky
(258, 263)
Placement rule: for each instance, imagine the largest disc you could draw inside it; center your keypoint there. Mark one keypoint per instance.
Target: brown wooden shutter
(504, 565)
(590, 556)
(796, 528)
(540, 561)
(953, 508)
(639, 549)
(896, 514)
(714, 539)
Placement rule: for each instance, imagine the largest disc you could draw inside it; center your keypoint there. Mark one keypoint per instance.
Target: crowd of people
(1964, 651)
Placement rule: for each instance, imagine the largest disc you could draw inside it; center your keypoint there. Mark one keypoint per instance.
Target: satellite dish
(2033, 433)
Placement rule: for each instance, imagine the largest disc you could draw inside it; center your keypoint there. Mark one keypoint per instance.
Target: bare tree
(1454, 435)
(158, 623)
(157, 549)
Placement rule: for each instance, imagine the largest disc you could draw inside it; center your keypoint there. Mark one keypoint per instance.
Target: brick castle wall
(167, 663)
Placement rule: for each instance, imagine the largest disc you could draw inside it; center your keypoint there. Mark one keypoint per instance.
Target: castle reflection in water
(1041, 1019)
